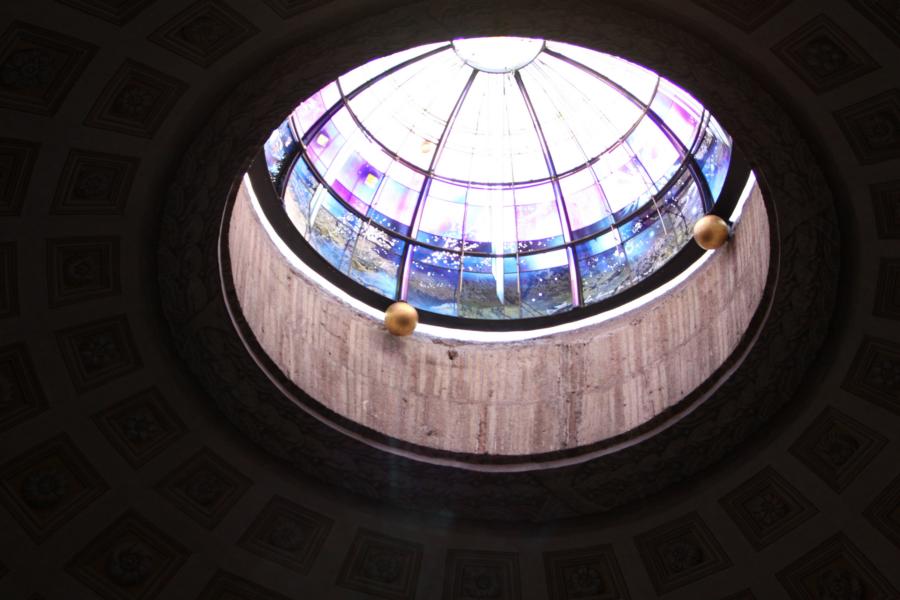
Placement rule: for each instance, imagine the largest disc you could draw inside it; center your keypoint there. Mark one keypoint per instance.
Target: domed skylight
(498, 178)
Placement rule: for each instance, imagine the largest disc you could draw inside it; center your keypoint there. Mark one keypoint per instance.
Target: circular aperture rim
(192, 273)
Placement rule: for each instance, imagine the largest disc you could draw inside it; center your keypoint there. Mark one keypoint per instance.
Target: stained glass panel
(278, 149)
(469, 188)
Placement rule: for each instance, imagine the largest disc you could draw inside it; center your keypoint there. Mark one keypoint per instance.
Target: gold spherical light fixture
(711, 232)
(401, 318)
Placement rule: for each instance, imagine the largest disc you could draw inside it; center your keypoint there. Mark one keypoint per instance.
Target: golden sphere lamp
(401, 319)
(711, 232)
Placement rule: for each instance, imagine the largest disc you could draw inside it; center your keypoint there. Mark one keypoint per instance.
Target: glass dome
(498, 178)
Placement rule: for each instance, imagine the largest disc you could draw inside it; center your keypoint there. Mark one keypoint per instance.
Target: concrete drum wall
(549, 393)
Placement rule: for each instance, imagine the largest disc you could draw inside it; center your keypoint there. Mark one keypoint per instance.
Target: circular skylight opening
(496, 183)
(553, 203)
(498, 54)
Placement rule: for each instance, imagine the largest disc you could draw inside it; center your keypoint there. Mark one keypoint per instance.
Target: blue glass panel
(602, 274)
(376, 261)
(639, 223)
(387, 222)
(649, 250)
(298, 195)
(487, 292)
(334, 228)
(714, 155)
(681, 206)
(434, 280)
(598, 245)
(545, 283)
(304, 174)
(692, 206)
(279, 149)
(481, 264)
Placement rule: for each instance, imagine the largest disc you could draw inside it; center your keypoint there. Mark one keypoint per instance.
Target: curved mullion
(580, 65)
(462, 234)
(644, 108)
(687, 163)
(374, 139)
(344, 99)
(557, 192)
(368, 218)
(689, 158)
(580, 147)
(403, 275)
(660, 122)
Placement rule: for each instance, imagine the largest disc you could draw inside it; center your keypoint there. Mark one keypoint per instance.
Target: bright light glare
(498, 54)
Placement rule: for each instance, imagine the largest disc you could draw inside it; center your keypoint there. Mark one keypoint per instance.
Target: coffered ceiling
(120, 478)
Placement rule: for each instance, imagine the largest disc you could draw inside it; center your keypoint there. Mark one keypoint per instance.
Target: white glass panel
(360, 75)
(655, 151)
(407, 112)
(493, 125)
(637, 80)
(582, 116)
(679, 111)
(306, 115)
(622, 179)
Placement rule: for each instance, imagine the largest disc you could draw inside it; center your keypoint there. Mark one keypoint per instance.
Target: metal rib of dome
(525, 183)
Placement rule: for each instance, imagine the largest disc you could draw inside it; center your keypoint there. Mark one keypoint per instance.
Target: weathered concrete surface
(510, 398)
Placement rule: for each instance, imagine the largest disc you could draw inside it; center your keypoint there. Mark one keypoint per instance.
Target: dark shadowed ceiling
(121, 479)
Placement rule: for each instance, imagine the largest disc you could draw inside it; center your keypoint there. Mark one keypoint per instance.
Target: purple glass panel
(324, 146)
(442, 223)
(356, 182)
(306, 115)
(397, 197)
(679, 111)
(538, 226)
